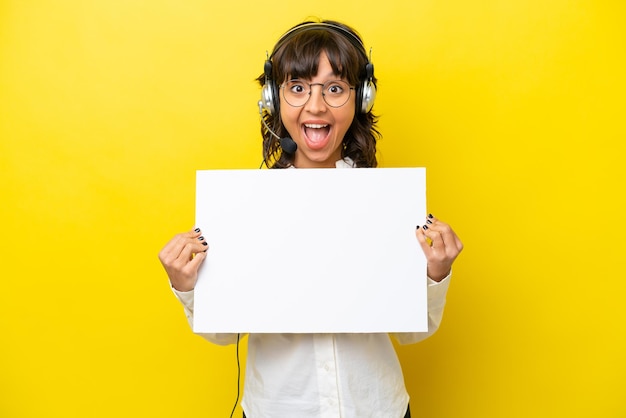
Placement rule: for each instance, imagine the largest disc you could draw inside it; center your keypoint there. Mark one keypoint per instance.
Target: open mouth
(316, 135)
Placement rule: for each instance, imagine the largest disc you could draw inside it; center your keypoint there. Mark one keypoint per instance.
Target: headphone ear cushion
(367, 93)
(269, 92)
(367, 96)
(275, 97)
(358, 93)
(269, 97)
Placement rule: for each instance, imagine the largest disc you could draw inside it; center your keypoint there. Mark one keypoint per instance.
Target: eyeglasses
(335, 92)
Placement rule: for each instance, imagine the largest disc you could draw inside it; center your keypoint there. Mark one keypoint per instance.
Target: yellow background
(107, 108)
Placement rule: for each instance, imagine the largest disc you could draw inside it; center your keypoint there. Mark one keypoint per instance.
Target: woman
(318, 89)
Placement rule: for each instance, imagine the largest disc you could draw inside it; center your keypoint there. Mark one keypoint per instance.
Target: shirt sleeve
(436, 293)
(186, 299)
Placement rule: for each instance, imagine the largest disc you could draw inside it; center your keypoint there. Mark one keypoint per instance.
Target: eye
(335, 88)
(296, 87)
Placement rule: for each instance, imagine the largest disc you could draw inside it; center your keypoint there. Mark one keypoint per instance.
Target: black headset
(365, 91)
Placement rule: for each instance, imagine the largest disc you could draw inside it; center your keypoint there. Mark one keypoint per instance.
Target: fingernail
(417, 227)
(430, 215)
(425, 227)
(428, 221)
(204, 243)
(197, 230)
(201, 238)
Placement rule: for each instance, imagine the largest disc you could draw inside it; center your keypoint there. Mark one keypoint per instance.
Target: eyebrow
(330, 76)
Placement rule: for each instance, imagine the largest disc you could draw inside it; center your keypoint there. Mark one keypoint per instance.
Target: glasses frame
(322, 85)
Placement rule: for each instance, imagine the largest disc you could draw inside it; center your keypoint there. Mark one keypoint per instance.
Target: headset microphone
(287, 144)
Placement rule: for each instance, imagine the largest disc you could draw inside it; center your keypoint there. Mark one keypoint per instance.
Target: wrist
(182, 287)
(437, 276)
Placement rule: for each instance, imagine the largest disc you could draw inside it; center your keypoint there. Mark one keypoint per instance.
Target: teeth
(314, 126)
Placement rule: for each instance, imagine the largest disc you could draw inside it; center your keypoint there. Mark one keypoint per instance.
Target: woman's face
(317, 128)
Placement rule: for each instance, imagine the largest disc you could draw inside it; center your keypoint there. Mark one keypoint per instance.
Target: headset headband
(354, 39)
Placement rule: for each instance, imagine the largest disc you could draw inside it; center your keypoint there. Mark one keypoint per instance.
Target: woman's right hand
(182, 256)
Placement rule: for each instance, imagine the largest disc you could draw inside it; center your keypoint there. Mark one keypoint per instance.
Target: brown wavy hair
(297, 56)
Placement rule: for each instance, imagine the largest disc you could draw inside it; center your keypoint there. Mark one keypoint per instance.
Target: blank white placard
(311, 251)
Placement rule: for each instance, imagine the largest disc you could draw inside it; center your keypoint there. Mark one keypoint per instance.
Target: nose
(316, 102)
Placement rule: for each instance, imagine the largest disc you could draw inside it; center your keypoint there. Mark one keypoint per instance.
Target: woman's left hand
(440, 245)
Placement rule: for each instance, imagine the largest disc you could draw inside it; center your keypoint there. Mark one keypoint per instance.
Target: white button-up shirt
(326, 375)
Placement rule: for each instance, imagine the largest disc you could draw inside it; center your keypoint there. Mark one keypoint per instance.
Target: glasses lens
(335, 93)
(296, 92)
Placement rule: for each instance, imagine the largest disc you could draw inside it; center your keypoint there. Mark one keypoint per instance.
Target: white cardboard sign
(311, 251)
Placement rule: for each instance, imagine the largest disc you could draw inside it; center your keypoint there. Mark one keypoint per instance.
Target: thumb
(197, 260)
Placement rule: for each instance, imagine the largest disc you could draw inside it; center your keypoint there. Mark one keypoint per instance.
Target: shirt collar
(343, 163)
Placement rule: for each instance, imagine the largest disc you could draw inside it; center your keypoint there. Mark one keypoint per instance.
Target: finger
(448, 236)
(176, 243)
(193, 247)
(179, 247)
(172, 250)
(194, 264)
(437, 242)
(185, 278)
(423, 241)
(192, 237)
(450, 240)
(184, 269)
